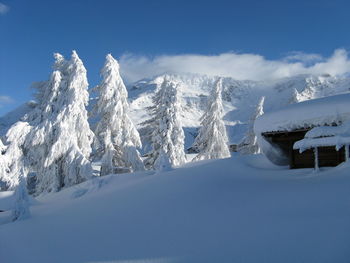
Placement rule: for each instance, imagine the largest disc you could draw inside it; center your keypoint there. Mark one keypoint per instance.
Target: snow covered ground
(242, 209)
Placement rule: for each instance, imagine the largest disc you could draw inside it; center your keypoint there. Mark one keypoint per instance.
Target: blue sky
(242, 38)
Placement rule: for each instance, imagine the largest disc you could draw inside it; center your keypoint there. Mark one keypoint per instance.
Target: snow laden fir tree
(250, 141)
(211, 141)
(21, 209)
(117, 138)
(164, 129)
(3, 164)
(13, 161)
(54, 140)
(60, 141)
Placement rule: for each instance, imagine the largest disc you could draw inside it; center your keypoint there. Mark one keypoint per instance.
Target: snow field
(241, 209)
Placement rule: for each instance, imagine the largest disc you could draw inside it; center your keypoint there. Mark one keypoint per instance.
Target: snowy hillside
(242, 209)
(239, 97)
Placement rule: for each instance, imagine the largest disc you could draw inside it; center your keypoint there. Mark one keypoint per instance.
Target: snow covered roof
(311, 113)
(325, 131)
(307, 143)
(337, 136)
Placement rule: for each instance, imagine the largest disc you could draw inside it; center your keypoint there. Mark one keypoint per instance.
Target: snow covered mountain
(239, 97)
(10, 118)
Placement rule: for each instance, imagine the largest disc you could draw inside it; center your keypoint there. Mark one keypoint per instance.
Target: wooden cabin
(327, 155)
(284, 129)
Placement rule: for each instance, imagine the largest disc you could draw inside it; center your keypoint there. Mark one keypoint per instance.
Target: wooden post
(316, 158)
(346, 152)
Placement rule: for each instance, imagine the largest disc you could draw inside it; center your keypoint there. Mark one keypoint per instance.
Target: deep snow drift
(241, 209)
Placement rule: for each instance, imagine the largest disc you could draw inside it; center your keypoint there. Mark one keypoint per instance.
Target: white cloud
(5, 100)
(238, 66)
(3, 9)
(298, 56)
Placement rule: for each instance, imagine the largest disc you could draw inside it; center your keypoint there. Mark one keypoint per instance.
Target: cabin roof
(337, 136)
(327, 111)
(307, 143)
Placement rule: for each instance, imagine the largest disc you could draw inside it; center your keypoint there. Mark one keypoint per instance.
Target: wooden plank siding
(328, 156)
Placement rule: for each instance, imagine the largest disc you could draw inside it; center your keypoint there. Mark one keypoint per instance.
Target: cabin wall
(302, 160)
(327, 157)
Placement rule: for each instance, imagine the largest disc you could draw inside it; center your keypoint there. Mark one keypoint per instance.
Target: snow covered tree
(211, 141)
(3, 165)
(117, 138)
(59, 143)
(165, 131)
(13, 160)
(163, 162)
(249, 144)
(54, 139)
(21, 209)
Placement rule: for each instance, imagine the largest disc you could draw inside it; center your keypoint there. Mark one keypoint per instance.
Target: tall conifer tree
(212, 141)
(117, 136)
